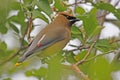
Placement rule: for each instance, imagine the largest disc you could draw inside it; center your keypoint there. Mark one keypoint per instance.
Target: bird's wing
(49, 39)
(44, 41)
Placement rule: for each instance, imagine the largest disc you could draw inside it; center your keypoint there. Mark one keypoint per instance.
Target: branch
(80, 2)
(76, 69)
(30, 25)
(75, 66)
(117, 56)
(114, 41)
(82, 75)
(78, 48)
(11, 56)
(92, 58)
(20, 49)
(109, 20)
(117, 3)
(87, 54)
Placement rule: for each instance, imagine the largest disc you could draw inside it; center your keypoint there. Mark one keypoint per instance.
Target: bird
(53, 38)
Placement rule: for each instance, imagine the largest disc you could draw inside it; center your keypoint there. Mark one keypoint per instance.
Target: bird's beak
(74, 20)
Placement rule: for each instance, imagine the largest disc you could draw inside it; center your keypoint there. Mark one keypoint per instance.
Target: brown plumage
(53, 37)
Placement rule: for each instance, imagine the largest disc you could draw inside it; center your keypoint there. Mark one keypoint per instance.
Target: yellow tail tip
(18, 63)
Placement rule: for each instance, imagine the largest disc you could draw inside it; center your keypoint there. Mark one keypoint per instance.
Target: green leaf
(3, 46)
(105, 6)
(5, 8)
(59, 5)
(75, 30)
(37, 14)
(104, 45)
(70, 57)
(55, 68)
(100, 69)
(117, 13)
(96, 31)
(27, 1)
(3, 28)
(80, 55)
(79, 10)
(3, 49)
(15, 6)
(14, 27)
(44, 6)
(7, 79)
(20, 19)
(89, 21)
(76, 33)
(37, 73)
(108, 7)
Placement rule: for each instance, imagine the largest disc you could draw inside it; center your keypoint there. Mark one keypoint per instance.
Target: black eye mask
(69, 17)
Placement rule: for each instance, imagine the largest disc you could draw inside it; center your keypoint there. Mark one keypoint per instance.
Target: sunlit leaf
(89, 21)
(116, 13)
(14, 27)
(59, 5)
(3, 28)
(80, 55)
(15, 6)
(75, 30)
(28, 1)
(108, 7)
(104, 45)
(96, 31)
(7, 79)
(5, 7)
(44, 6)
(95, 69)
(3, 45)
(54, 68)
(20, 19)
(79, 10)
(70, 57)
(37, 14)
(76, 33)
(105, 6)
(37, 73)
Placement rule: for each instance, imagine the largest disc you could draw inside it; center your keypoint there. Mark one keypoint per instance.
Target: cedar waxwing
(53, 37)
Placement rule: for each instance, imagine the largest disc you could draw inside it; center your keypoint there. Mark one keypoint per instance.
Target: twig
(15, 54)
(117, 3)
(117, 56)
(101, 19)
(109, 20)
(92, 58)
(82, 1)
(87, 54)
(79, 48)
(76, 69)
(30, 24)
(114, 41)
(82, 75)
(11, 56)
(75, 66)
(20, 49)
(103, 15)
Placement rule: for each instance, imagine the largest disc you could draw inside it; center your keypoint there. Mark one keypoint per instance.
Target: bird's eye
(69, 17)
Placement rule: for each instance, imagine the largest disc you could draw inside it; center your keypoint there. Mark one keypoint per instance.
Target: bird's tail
(24, 57)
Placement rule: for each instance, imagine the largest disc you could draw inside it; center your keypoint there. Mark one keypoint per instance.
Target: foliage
(96, 66)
